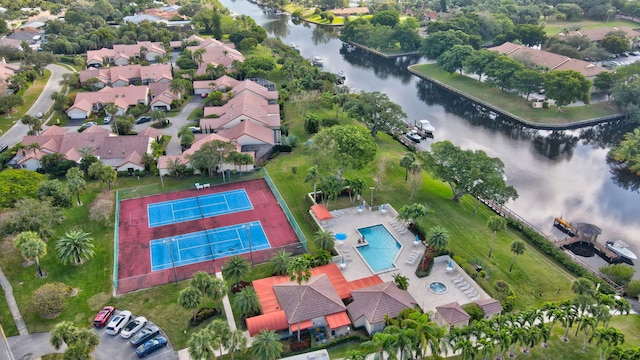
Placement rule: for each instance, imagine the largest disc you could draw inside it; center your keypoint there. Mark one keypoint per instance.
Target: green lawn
(513, 103)
(29, 97)
(556, 27)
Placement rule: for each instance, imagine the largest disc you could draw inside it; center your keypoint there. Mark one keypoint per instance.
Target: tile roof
(246, 104)
(216, 53)
(155, 73)
(276, 320)
(601, 33)
(490, 306)
(123, 97)
(249, 129)
(374, 302)
(255, 88)
(319, 298)
(548, 59)
(223, 81)
(453, 313)
(125, 51)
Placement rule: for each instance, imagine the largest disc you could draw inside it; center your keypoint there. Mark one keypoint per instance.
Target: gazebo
(588, 232)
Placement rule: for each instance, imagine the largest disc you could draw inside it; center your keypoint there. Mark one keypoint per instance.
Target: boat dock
(609, 255)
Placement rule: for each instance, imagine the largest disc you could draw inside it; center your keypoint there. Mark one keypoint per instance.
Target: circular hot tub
(437, 287)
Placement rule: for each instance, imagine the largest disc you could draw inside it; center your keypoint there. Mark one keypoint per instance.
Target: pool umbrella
(341, 237)
(417, 240)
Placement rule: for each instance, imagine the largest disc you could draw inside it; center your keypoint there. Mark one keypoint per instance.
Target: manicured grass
(29, 97)
(516, 104)
(92, 279)
(556, 27)
(338, 20)
(8, 325)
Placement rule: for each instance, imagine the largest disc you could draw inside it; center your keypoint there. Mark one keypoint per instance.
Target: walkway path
(13, 306)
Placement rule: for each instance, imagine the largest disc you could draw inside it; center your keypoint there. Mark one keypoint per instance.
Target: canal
(556, 173)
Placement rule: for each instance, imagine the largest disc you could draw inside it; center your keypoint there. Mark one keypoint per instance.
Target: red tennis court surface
(134, 235)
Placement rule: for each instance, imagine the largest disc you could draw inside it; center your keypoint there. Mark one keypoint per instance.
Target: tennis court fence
(285, 208)
(166, 276)
(115, 245)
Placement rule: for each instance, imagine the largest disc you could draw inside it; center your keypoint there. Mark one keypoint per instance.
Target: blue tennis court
(212, 244)
(198, 207)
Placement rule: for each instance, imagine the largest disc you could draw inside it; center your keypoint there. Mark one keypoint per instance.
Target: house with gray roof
(490, 307)
(371, 304)
(451, 315)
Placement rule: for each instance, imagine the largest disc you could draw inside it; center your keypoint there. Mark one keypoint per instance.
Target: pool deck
(349, 220)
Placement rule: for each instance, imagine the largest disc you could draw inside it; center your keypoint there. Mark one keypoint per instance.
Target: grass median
(515, 104)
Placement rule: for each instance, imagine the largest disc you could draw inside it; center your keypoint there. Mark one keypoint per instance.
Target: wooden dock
(598, 246)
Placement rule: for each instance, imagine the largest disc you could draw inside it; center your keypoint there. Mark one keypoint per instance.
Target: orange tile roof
(338, 319)
(276, 320)
(321, 212)
(303, 325)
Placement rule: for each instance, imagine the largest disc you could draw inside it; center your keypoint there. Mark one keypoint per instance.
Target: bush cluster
(204, 314)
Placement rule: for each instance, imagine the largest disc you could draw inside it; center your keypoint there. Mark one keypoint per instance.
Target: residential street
(42, 104)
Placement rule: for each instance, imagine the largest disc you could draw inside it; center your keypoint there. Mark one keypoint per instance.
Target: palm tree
(622, 305)
(202, 345)
(412, 212)
(186, 136)
(159, 117)
(279, 262)
(236, 342)
(324, 240)
(402, 282)
(380, 343)
(80, 342)
(208, 286)
(299, 270)
(75, 247)
(355, 355)
(607, 338)
(583, 286)
(406, 162)
(266, 345)
(190, 299)
(247, 302)
(197, 55)
(438, 237)
(32, 248)
(313, 174)
(76, 182)
(586, 325)
(235, 269)
(495, 224)
(517, 248)
(404, 338)
(221, 332)
(180, 86)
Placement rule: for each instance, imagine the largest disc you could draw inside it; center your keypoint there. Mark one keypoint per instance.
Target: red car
(102, 318)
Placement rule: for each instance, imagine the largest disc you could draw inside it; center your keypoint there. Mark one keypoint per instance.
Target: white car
(133, 326)
(118, 322)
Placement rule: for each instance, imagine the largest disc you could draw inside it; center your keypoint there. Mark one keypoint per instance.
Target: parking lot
(620, 61)
(115, 347)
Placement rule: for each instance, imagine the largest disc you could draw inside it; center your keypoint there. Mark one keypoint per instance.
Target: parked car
(89, 124)
(107, 119)
(143, 119)
(204, 95)
(195, 129)
(118, 322)
(133, 326)
(143, 335)
(39, 115)
(103, 316)
(150, 346)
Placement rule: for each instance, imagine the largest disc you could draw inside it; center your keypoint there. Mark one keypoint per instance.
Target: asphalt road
(42, 104)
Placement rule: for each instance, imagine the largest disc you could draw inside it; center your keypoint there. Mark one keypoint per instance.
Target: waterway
(556, 173)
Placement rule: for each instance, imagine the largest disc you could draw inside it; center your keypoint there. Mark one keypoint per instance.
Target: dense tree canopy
(349, 146)
(566, 86)
(375, 111)
(18, 184)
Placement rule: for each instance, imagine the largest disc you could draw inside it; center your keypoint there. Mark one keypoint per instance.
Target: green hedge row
(329, 344)
(550, 249)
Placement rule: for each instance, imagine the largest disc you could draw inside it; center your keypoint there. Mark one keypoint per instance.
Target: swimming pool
(381, 249)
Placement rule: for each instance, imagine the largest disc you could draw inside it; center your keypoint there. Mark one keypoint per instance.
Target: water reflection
(279, 28)
(382, 68)
(323, 34)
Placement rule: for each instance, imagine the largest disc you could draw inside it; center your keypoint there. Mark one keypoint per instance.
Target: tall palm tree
(75, 247)
(438, 237)
(190, 299)
(406, 162)
(583, 286)
(221, 332)
(324, 240)
(586, 325)
(380, 343)
(247, 302)
(159, 117)
(76, 182)
(313, 174)
(299, 270)
(279, 262)
(517, 248)
(202, 345)
(236, 342)
(404, 338)
(33, 248)
(607, 338)
(80, 342)
(266, 345)
(235, 269)
(495, 224)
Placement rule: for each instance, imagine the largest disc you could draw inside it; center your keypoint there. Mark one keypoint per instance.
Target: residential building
(597, 35)
(548, 60)
(490, 307)
(246, 106)
(6, 71)
(220, 84)
(123, 153)
(122, 54)
(123, 97)
(216, 53)
(161, 96)
(371, 304)
(451, 315)
(128, 75)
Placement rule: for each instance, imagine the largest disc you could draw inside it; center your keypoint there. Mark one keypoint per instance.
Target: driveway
(178, 121)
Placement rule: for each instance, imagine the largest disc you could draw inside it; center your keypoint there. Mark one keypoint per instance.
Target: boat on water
(294, 46)
(621, 249)
(317, 61)
(564, 226)
(426, 126)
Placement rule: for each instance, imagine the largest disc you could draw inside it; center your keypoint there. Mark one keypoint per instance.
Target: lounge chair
(470, 291)
(401, 232)
(474, 298)
(464, 286)
(457, 277)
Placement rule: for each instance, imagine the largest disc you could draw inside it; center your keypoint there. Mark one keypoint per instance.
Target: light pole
(371, 188)
(173, 264)
(220, 150)
(248, 228)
